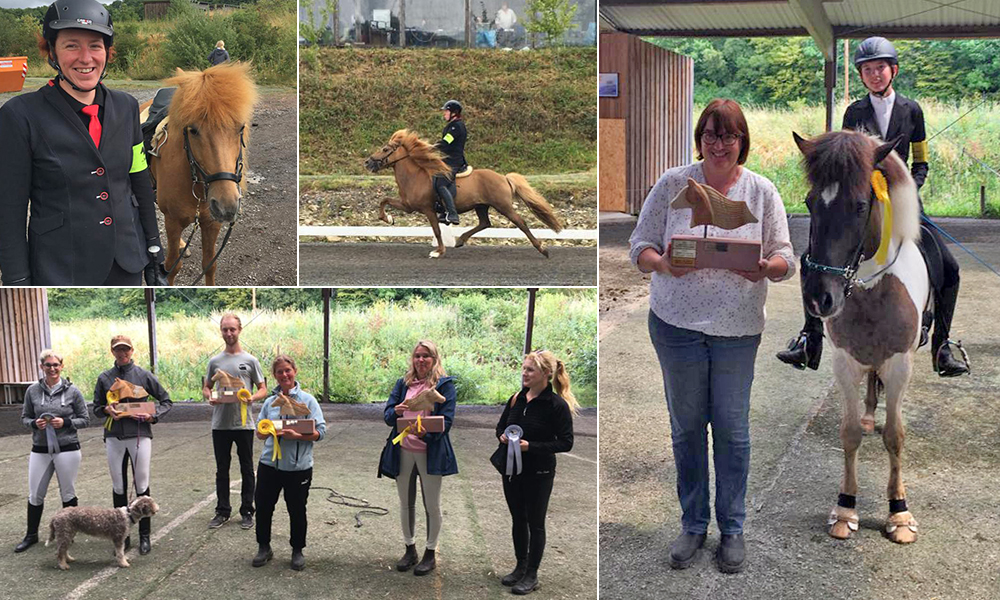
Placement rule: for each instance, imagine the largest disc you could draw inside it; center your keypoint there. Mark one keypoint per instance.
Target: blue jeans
(707, 379)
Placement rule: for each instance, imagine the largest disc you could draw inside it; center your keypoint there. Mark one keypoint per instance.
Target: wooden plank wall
(24, 333)
(656, 99)
(660, 128)
(611, 175)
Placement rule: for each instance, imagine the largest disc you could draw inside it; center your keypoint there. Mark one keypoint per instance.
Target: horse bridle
(848, 272)
(199, 175)
(383, 162)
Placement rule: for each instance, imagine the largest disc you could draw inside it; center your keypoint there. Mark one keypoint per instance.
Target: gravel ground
(262, 249)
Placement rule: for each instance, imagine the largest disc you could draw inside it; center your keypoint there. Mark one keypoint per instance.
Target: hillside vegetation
(531, 112)
(263, 33)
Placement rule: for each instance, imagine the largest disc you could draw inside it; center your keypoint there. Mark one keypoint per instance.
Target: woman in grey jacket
(54, 409)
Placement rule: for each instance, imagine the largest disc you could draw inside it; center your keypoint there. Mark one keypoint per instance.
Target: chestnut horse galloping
(415, 162)
(868, 282)
(198, 169)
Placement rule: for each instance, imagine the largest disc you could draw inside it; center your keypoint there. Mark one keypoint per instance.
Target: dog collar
(128, 511)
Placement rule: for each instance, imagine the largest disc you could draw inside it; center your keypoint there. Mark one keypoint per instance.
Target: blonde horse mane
(222, 96)
(421, 152)
(903, 194)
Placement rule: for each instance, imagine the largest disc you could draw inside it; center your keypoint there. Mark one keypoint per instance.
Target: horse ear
(882, 151)
(805, 146)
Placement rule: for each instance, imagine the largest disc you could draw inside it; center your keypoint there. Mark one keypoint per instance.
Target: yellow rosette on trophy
(244, 397)
(416, 428)
(266, 427)
(113, 398)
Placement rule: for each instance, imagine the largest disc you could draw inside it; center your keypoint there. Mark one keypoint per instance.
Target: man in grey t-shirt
(228, 424)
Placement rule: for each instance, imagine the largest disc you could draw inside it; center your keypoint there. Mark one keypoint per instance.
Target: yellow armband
(448, 138)
(138, 159)
(919, 151)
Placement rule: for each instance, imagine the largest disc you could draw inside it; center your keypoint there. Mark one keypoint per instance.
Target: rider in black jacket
(452, 145)
(889, 115)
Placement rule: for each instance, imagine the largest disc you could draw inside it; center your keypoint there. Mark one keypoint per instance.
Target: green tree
(551, 17)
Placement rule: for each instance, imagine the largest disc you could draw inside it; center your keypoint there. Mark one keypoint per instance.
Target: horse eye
(193, 130)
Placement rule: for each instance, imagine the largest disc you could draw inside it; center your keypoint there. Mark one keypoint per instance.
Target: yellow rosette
(113, 398)
(244, 397)
(266, 427)
(881, 189)
(415, 429)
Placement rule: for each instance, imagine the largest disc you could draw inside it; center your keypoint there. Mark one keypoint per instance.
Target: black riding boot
(515, 575)
(806, 349)
(31, 537)
(119, 500)
(528, 583)
(444, 192)
(74, 501)
(145, 524)
(945, 363)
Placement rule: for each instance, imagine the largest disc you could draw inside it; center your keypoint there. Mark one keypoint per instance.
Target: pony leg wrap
(897, 506)
(847, 501)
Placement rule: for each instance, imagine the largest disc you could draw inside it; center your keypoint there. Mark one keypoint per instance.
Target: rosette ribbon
(266, 427)
(113, 398)
(50, 433)
(881, 188)
(244, 397)
(415, 429)
(514, 434)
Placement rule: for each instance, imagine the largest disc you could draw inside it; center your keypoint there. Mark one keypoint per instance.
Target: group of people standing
(53, 404)
(706, 324)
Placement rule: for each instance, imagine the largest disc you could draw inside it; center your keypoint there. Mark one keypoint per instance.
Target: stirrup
(965, 355)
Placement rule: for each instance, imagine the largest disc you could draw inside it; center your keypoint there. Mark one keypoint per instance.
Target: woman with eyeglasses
(706, 324)
(54, 410)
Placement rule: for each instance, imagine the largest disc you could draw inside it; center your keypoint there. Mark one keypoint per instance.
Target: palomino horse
(198, 170)
(415, 163)
(868, 282)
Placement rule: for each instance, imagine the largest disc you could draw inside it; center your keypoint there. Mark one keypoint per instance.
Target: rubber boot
(119, 500)
(515, 575)
(528, 583)
(409, 559)
(732, 555)
(427, 563)
(684, 550)
(74, 501)
(34, 518)
(298, 559)
(264, 554)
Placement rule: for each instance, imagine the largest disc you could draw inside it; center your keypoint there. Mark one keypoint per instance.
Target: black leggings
(270, 483)
(528, 500)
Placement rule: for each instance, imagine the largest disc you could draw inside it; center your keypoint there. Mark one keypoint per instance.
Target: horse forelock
(842, 159)
(422, 152)
(220, 96)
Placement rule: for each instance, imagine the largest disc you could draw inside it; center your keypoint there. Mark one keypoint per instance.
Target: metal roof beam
(664, 3)
(813, 16)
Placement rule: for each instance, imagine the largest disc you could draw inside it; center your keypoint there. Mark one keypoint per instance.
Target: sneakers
(246, 522)
(731, 555)
(684, 550)
(264, 554)
(218, 521)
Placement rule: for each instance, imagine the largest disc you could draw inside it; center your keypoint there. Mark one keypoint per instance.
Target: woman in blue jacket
(428, 456)
(290, 471)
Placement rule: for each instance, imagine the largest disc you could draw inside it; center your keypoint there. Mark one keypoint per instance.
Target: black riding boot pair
(31, 537)
(442, 186)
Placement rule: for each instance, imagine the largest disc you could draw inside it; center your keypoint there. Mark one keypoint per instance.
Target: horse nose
(224, 210)
(826, 303)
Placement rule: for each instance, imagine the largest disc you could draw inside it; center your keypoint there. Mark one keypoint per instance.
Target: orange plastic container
(13, 70)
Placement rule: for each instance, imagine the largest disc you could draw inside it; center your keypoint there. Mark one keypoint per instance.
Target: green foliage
(530, 112)
(787, 72)
(129, 47)
(192, 39)
(319, 34)
(551, 17)
(126, 10)
(479, 332)
(17, 36)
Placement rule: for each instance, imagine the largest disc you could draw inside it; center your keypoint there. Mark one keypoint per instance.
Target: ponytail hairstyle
(555, 370)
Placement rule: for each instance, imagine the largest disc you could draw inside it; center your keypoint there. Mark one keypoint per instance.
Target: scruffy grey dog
(110, 523)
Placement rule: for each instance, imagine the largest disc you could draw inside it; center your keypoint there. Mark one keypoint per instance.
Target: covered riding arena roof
(825, 21)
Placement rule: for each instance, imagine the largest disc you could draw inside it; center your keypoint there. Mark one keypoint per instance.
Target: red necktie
(95, 123)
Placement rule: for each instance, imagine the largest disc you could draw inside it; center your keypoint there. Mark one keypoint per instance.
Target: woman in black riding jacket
(452, 145)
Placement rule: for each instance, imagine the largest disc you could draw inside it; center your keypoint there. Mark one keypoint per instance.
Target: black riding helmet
(77, 14)
(876, 48)
(454, 106)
